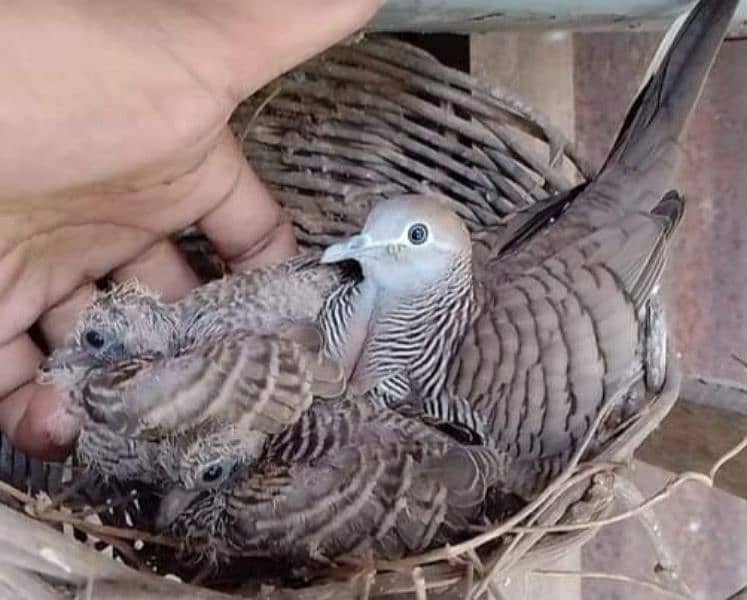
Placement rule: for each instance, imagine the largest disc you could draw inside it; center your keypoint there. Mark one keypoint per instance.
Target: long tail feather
(646, 152)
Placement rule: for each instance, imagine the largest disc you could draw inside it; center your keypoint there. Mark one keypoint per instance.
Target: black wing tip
(671, 207)
(677, 80)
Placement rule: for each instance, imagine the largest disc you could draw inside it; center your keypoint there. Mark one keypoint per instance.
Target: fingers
(244, 222)
(51, 266)
(34, 417)
(269, 38)
(39, 423)
(247, 226)
(161, 268)
(59, 321)
(18, 361)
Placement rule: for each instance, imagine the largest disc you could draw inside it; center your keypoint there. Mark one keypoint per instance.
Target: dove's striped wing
(352, 477)
(553, 343)
(120, 457)
(257, 382)
(563, 326)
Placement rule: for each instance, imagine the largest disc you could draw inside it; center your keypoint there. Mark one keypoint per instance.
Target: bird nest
(366, 119)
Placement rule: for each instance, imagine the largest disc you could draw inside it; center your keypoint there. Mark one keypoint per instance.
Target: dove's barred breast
(412, 341)
(404, 337)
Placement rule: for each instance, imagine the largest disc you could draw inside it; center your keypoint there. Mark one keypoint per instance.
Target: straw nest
(368, 118)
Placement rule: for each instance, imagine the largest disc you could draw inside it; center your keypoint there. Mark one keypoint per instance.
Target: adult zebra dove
(563, 318)
(348, 478)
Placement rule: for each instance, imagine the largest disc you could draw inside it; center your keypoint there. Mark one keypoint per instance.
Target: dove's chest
(410, 344)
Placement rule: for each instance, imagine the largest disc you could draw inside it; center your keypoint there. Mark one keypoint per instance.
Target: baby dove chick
(129, 321)
(125, 322)
(348, 478)
(235, 351)
(566, 314)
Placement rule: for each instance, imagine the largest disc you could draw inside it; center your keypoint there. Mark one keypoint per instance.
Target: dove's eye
(94, 339)
(212, 474)
(215, 474)
(417, 234)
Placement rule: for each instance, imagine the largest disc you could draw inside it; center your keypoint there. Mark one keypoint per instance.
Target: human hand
(113, 120)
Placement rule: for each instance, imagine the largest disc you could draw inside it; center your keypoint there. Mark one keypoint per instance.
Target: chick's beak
(350, 249)
(62, 360)
(174, 504)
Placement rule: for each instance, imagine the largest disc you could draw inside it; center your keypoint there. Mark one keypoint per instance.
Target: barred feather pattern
(257, 382)
(406, 352)
(335, 316)
(126, 459)
(560, 331)
(350, 478)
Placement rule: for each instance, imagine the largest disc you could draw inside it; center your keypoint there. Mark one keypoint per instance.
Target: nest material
(383, 117)
(362, 121)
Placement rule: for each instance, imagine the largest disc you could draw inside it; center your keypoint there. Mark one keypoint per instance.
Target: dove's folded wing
(254, 382)
(391, 498)
(555, 340)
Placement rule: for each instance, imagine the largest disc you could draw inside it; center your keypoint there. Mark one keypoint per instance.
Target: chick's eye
(94, 339)
(417, 234)
(212, 474)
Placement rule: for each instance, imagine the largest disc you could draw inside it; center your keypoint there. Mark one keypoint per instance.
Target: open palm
(113, 120)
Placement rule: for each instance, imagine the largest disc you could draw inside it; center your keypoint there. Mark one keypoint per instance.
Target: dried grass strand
(650, 585)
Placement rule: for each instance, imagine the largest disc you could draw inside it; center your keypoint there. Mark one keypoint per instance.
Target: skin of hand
(113, 120)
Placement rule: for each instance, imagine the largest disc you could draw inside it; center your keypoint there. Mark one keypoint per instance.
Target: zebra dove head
(121, 323)
(202, 464)
(407, 242)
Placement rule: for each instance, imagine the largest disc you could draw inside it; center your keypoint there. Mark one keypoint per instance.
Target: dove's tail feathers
(670, 211)
(327, 378)
(326, 374)
(648, 142)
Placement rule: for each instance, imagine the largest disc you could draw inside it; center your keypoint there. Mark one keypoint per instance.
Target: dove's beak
(174, 504)
(62, 361)
(351, 249)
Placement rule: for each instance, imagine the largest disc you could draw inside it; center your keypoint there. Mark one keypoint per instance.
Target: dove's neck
(403, 341)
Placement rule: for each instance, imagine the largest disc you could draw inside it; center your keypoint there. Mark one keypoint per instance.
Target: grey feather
(557, 318)
(242, 350)
(348, 478)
